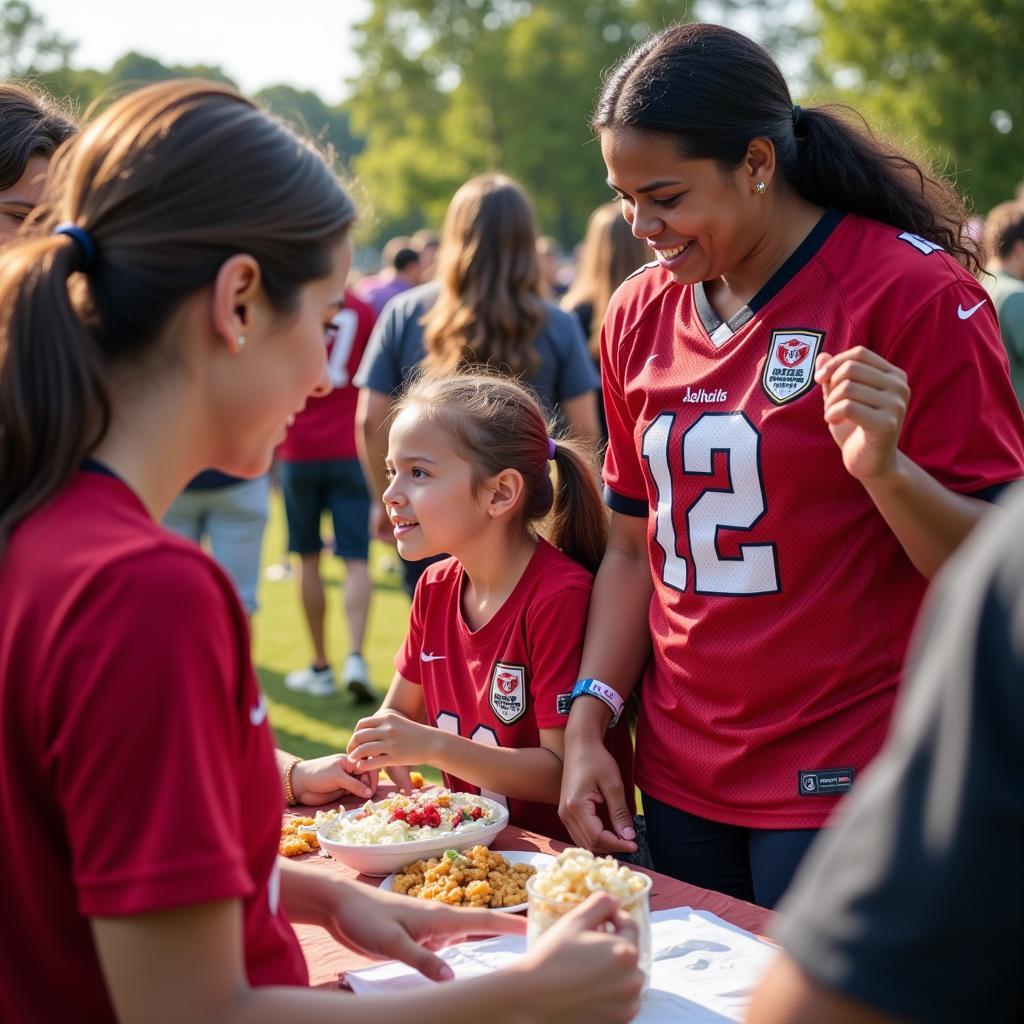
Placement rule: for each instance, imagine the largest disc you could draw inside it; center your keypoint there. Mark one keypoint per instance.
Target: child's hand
(388, 739)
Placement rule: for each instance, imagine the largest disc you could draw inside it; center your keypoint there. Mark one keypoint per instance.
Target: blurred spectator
(32, 125)
(320, 471)
(426, 242)
(1004, 244)
(229, 512)
(400, 271)
(486, 307)
(549, 255)
(609, 254)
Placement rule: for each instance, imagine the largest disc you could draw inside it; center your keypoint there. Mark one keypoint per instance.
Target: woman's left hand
(865, 404)
(385, 926)
(389, 738)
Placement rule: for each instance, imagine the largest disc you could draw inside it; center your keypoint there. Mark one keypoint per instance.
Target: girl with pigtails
(484, 679)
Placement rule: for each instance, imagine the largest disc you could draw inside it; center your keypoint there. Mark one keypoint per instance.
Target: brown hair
(490, 308)
(611, 252)
(713, 90)
(32, 123)
(495, 424)
(1004, 227)
(168, 182)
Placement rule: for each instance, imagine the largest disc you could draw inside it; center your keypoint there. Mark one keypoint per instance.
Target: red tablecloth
(328, 961)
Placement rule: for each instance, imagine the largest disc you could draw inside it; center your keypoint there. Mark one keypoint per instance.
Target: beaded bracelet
(289, 796)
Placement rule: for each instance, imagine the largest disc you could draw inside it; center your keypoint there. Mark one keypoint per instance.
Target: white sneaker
(317, 682)
(356, 678)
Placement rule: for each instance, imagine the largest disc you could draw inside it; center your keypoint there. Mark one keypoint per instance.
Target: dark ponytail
(496, 423)
(714, 90)
(167, 184)
(53, 398)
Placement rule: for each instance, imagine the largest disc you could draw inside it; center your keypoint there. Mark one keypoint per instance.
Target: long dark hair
(31, 124)
(168, 182)
(713, 90)
(497, 423)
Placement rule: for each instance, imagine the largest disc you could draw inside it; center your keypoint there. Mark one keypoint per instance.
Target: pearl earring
(760, 188)
(241, 341)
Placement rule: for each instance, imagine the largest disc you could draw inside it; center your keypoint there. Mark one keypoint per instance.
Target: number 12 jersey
(783, 602)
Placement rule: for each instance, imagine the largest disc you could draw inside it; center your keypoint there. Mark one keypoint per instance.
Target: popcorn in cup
(572, 878)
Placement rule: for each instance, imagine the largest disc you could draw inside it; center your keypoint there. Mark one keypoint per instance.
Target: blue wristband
(604, 693)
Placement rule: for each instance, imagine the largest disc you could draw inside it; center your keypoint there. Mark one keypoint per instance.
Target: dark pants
(751, 864)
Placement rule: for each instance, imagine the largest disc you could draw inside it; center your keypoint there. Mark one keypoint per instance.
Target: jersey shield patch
(789, 365)
(508, 692)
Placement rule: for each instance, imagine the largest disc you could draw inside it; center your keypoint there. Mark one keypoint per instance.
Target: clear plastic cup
(543, 911)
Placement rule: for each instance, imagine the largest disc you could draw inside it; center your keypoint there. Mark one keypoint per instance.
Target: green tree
(941, 75)
(449, 88)
(310, 115)
(27, 45)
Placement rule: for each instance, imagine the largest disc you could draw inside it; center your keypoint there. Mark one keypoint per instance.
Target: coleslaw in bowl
(382, 836)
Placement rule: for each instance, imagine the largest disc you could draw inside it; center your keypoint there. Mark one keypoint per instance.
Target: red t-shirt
(512, 677)
(326, 428)
(138, 770)
(783, 602)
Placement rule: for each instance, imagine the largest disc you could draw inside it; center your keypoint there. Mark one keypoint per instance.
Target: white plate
(537, 860)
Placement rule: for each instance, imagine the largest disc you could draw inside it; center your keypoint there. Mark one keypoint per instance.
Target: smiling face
(430, 498)
(700, 220)
(18, 201)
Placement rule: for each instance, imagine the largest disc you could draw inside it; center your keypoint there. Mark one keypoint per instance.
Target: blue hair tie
(83, 240)
(552, 447)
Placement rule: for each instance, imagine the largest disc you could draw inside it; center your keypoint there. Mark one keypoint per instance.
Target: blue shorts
(233, 517)
(336, 485)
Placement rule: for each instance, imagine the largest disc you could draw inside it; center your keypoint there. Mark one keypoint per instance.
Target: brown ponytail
(168, 183)
(496, 423)
(53, 399)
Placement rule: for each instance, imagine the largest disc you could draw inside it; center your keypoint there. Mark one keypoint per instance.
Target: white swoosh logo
(258, 714)
(431, 657)
(966, 314)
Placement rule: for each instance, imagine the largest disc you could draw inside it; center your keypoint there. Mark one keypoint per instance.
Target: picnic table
(328, 961)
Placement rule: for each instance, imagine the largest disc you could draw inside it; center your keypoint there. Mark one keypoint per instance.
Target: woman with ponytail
(169, 315)
(808, 410)
(483, 680)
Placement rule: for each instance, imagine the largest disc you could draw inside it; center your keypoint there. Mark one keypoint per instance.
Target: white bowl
(379, 859)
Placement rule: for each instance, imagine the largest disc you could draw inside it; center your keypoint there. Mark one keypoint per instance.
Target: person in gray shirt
(484, 308)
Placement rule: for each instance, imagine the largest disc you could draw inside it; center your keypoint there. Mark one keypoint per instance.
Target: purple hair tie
(552, 448)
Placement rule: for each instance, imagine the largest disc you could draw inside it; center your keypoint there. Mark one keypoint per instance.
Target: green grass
(311, 726)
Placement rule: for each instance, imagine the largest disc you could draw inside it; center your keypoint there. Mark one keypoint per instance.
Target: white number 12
(739, 507)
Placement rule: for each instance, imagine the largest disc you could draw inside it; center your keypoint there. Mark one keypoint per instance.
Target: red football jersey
(783, 602)
(326, 428)
(138, 765)
(512, 677)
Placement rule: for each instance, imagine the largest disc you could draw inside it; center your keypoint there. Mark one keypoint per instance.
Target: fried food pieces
(476, 878)
(298, 836)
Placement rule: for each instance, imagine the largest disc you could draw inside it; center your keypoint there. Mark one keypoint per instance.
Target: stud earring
(760, 188)
(241, 341)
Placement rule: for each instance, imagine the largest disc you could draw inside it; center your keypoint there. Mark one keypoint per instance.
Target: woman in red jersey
(483, 679)
(808, 410)
(169, 315)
